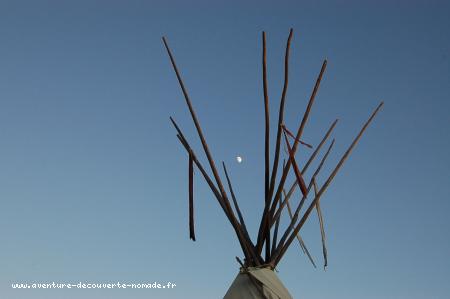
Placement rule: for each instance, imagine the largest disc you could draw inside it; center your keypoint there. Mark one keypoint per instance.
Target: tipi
(257, 278)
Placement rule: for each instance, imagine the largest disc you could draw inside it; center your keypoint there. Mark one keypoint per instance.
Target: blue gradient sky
(93, 182)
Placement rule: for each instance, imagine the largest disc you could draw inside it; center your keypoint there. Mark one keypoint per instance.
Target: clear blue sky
(93, 182)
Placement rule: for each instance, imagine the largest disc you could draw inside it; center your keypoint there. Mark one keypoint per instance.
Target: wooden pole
(265, 234)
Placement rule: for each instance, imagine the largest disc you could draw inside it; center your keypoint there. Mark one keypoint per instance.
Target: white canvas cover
(257, 283)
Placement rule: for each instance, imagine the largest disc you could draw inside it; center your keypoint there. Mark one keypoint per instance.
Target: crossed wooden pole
(275, 196)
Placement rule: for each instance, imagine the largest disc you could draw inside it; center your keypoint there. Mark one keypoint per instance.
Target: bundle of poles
(270, 239)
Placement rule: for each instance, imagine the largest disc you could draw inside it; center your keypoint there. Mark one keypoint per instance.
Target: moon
(239, 159)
